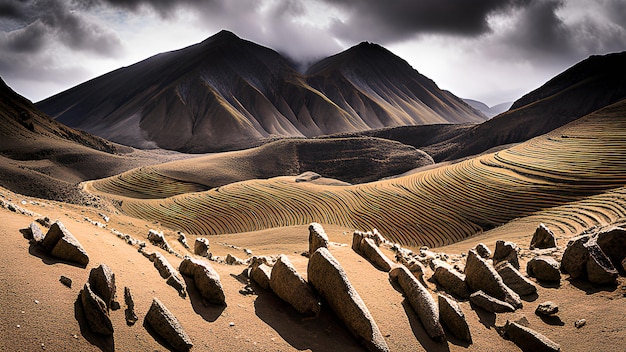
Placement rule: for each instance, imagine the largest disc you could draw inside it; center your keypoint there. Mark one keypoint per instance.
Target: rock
(182, 238)
(291, 287)
(420, 299)
(506, 251)
(366, 247)
(261, 274)
(543, 238)
(167, 271)
(451, 315)
(35, 232)
(62, 244)
(529, 340)
(483, 251)
(331, 282)
(201, 247)
(600, 270)
(515, 280)
(574, 260)
(307, 176)
(129, 313)
(317, 237)
(544, 269)
(449, 279)
(96, 312)
(613, 244)
(480, 275)
(547, 308)
(165, 324)
(580, 323)
(102, 282)
(232, 260)
(624, 264)
(490, 304)
(66, 281)
(206, 279)
(416, 268)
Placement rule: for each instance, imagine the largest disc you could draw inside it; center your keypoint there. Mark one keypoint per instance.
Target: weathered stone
(206, 279)
(261, 274)
(574, 260)
(416, 268)
(102, 282)
(489, 303)
(515, 280)
(96, 312)
(317, 237)
(613, 244)
(291, 287)
(366, 247)
(232, 260)
(449, 279)
(547, 308)
(529, 340)
(544, 269)
(420, 299)
(66, 281)
(165, 324)
(543, 238)
(451, 315)
(35, 232)
(169, 273)
(62, 244)
(483, 251)
(201, 247)
(600, 270)
(580, 323)
(506, 251)
(330, 280)
(182, 238)
(129, 313)
(480, 275)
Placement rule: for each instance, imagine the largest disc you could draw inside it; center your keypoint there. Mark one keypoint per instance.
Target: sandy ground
(37, 312)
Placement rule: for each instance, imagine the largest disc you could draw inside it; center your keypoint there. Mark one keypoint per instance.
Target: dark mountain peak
(220, 38)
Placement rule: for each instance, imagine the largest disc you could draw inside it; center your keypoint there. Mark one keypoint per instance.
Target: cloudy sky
(489, 50)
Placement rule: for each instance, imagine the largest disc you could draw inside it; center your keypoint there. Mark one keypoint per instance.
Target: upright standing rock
(129, 313)
(102, 282)
(317, 237)
(574, 260)
(483, 251)
(165, 324)
(96, 312)
(480, 275)
(613, 244)
(291, 287)
(543, 238)
(506, 251)
(449, 279)
(330, 280)
(452, 317)
(201, 247)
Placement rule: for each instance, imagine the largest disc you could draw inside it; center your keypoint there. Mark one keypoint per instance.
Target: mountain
(228, 93)
(486, 110)
(592, 84)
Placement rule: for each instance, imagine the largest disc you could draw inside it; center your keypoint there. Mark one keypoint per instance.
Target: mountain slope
(486, 110)
(228, 93)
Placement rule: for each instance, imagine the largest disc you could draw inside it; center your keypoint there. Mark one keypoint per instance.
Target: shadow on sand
(104, 343)
(420, 333)
(209, 312)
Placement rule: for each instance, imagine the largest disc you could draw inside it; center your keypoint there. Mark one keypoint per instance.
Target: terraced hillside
(586, 158)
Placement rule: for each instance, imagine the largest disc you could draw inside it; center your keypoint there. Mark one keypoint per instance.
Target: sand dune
(436, 207)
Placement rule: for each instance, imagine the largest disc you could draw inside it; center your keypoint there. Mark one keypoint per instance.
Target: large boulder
(102, 282)
(167, 271)
(165, 325)
(201, 247)
(574, 260)
(506, 251)
(613, 244)
(449, 279)
(529, 340)
(599, 268)
(480, 275)
(515, 280)
(420, 299)
(544, 268)
(206, 279)
(366, 247)
(543, 238)
(490, 304)
(317, 237)
(62, 244)
(96, 312)
(291, 287)
(331, 282)
(451, 315)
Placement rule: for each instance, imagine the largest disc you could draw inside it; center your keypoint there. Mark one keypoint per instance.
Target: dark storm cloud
(9, 9)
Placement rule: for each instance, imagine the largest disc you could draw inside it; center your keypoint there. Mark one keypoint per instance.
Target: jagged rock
(547, 308)
(543, 238)
(182, 238)
(416, 268)
(613, 244)
(489, 303)
(129, 313)
(574, 260)
(206, 279)
(232, 260)
(62, 244)
(158, 239)
(483, 251)
(291, 287)
(600, 270)
(96, 312)
(451, 315)
(449, 279)
(515, 280)
(317, 237)
(66, 281)
(529, 340)
(165, 324)
(544, 269)
(420, 299)
(261, 274)
(330, 280)
(201, 247)
(480, 275)
(35, 232)
(102, 282)
(366, 247)
(168, 272)
(506, 251)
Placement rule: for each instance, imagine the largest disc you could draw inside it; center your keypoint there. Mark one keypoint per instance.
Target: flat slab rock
(529, 340)
(489, 303)
(451, 315)
(62, 244)
(165, 324)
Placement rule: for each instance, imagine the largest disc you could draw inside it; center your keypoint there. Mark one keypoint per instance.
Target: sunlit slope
(585, 158)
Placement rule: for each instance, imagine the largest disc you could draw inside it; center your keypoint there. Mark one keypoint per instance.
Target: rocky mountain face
(228, 93)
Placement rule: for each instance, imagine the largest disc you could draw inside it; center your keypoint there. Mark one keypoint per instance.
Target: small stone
(547, 308)
(66, 281)
(231, 324)
(36, 302)
(580, 323)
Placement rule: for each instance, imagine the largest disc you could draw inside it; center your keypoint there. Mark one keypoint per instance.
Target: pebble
(231, 324)
(580, 323)
(36, 302)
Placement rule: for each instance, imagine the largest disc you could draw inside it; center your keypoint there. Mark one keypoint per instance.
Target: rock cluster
(158, 239)
(480, 275)
(97, 297)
